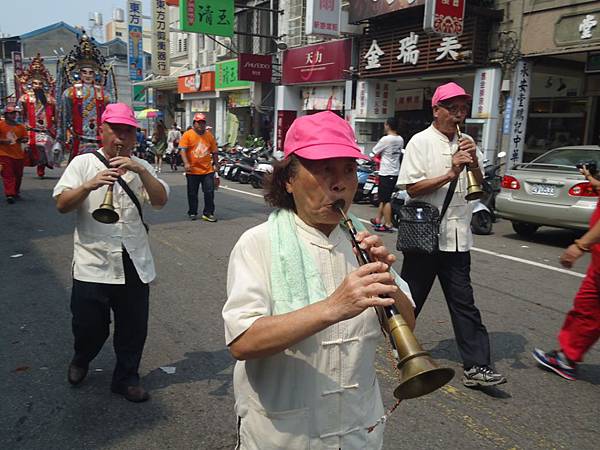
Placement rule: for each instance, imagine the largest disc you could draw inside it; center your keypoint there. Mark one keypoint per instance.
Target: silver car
(550, 191)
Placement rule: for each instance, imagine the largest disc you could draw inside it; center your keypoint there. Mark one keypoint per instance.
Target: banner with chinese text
(522, 86)
(214, 17)
(325, 61)
(160, 38)
(226, 76)
(444, 17)
(135, 40)
(323, 17)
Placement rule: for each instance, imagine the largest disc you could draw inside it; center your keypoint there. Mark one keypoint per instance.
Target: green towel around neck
(295, 280)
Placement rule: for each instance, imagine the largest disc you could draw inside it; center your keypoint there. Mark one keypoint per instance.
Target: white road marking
(475, 249)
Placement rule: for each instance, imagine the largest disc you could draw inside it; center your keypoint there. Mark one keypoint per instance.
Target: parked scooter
(483, 209)
(258, 174)
(362, 173)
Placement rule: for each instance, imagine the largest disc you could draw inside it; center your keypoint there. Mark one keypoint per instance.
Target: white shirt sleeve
(248, 284)
(72, 177)
(381, 145)
(414, 167)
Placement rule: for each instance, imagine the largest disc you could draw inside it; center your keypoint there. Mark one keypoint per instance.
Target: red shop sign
(255, 67)
(325, 61)
(446, 17)
(196, 82)
(284, 122)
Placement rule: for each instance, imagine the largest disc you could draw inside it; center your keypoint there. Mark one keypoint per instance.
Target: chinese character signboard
(255, 67)
(409, 100)
(326, 61)
(284, 122)
(485, 93)
(375, 99)
(390, 51)
(520, 108)
(323, 17)
(160, 38)
(134, 33)
(445, 17)
(226, 76)
(172, 2)
(365, 9)
(214, 17)
(196, 82)
(17, 60)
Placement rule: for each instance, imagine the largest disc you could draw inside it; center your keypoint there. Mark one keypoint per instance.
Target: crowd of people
(297, 298)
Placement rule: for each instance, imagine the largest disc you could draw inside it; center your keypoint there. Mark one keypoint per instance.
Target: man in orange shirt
(12, 157)
(198, 149)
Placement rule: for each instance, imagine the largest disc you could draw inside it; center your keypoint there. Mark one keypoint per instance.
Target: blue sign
(507, 116)
(136, 47)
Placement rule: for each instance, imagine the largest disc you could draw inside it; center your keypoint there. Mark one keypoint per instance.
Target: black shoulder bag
(419, 225)
(126, 188)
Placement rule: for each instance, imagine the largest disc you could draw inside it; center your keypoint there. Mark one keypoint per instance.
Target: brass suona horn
(419, 374)
(474, 190)
(106, 212)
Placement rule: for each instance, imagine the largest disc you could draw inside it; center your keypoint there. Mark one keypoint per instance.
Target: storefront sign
(226, 76)
(445, 17)
(520, 110)
(172, 2)
(284, 122)
(390, 51)
(375, 99)
(213, 17)
(365, 9)
(134, 32)
(239, 99)
(200, 106)
(160, 38)
(573, 29)
(323, 17)
(409, 100)
(255, 67)
(485, 93)
(323, 98)
(17, 60)
(325, 61)
(196, 82)
(507, 116)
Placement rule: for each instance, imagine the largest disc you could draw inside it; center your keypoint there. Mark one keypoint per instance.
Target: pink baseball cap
(448, 91)
(323, 135)
(119, 113)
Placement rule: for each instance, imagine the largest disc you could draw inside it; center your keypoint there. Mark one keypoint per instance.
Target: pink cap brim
(329, 151)
(123, 121)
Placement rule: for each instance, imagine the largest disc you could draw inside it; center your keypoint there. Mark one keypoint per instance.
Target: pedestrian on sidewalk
(112, 263)
(159, 139)
(389, 148)
(173, 139)
(198, 149)
(433, 159)
(12, 156)
(298, 316)
(581, 328)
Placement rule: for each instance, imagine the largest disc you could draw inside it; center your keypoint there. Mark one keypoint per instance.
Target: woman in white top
(298, 316)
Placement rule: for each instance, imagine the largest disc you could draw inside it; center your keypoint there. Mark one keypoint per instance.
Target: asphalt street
(520, 289)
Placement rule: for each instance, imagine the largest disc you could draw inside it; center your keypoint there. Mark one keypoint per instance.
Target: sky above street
(24, 16)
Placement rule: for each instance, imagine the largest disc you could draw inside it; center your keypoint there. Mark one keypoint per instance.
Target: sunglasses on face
(455, 109)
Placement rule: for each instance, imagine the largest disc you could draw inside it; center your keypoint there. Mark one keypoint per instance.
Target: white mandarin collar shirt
(98, 247)
(322, 392)
(429, 155)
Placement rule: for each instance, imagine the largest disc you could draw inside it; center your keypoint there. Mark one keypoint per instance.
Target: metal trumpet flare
(419, 373)
(474, 190)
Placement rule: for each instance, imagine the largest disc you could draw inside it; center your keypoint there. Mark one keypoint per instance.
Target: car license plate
(368, 186)
(543, 189)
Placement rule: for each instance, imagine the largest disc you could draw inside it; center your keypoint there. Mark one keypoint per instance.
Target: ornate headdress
(36, 71)
(85, 54)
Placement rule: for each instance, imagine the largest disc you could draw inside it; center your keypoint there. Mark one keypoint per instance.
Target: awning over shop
(161, 84)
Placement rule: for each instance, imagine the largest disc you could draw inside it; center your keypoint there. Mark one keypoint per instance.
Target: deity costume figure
(38, 110)
(86, 85)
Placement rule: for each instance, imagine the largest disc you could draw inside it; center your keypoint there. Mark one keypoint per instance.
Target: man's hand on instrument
(362, 289)
(102, 178)
(125, 163)
(373, 244)
(460, 159)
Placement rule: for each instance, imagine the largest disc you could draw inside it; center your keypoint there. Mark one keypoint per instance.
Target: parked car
(549, 191)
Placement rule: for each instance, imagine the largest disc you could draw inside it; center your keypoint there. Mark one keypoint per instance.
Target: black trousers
(453, 270)
(208, 188)
(91, 304)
